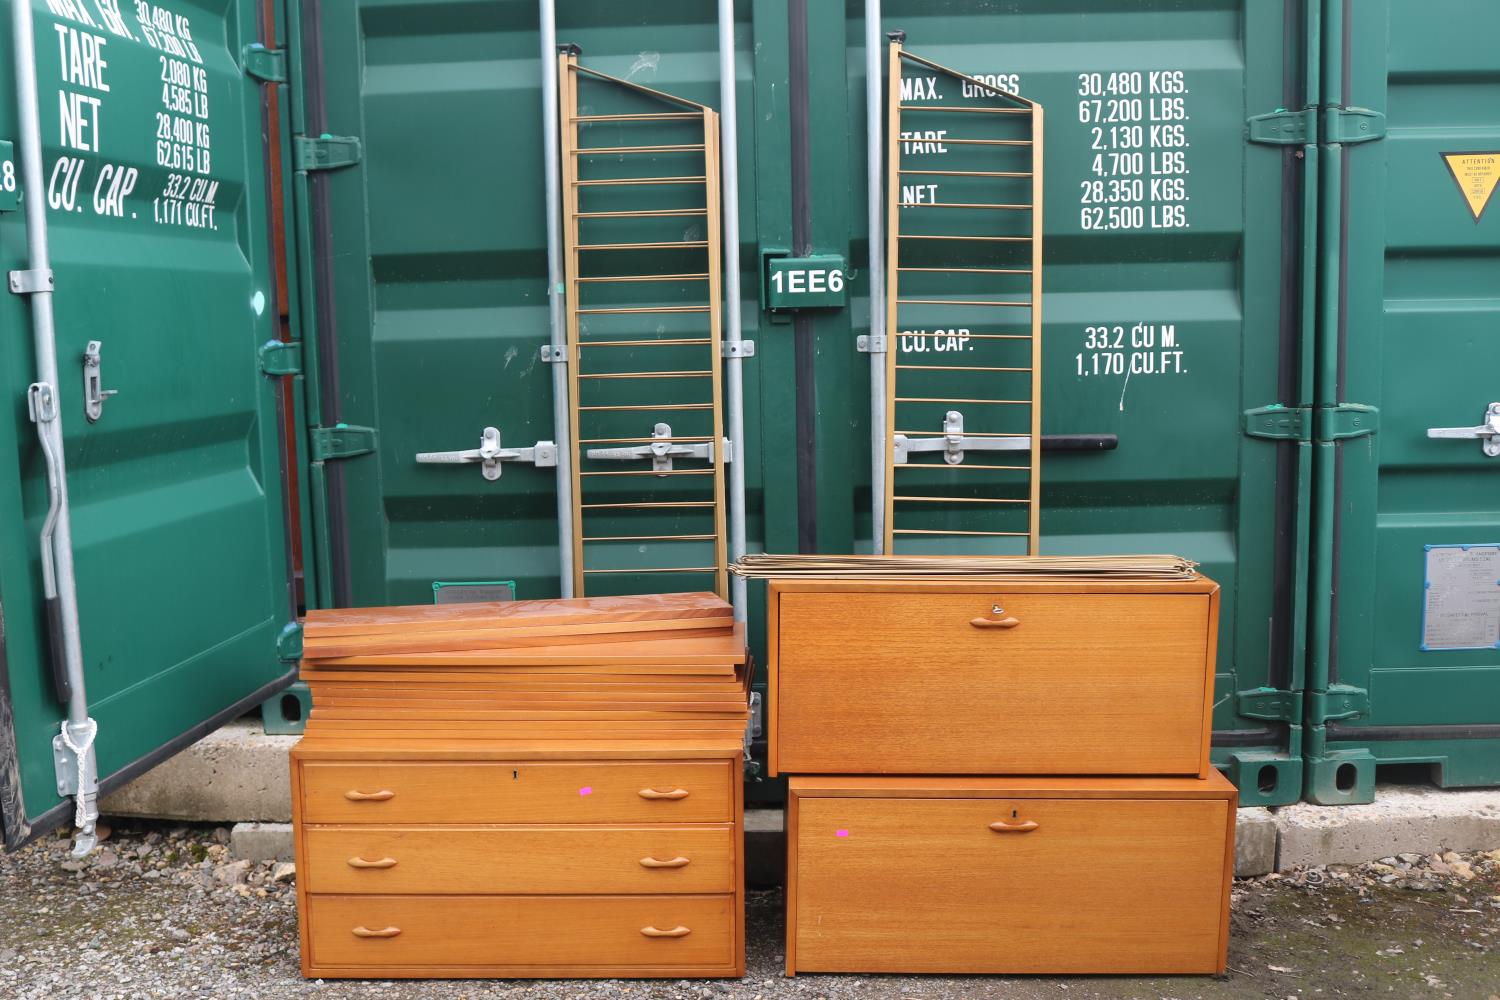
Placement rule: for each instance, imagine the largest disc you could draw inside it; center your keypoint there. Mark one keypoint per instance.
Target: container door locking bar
(490, 454)
(662, 450)
(1488, 432)
(954, 444)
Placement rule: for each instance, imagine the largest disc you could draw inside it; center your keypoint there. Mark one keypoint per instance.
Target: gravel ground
(163, 911)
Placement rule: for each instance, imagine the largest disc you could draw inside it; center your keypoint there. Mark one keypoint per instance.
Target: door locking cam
(490, 454)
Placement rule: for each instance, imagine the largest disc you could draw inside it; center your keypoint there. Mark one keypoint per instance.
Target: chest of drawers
(433, 861)
(1008, 875)
(962, 676)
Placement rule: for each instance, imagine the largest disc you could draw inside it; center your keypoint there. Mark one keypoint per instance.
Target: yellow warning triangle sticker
(1476, 175)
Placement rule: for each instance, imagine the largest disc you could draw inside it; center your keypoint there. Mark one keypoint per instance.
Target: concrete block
(1402, 819)
(261, 841)
(765, 848)
(1254, 843)
(234, 774)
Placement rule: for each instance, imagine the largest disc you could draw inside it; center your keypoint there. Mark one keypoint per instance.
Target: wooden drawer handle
(384, 932)
(1003, 827)
(676, 793)
(362, 863)
(1010, 621)
(678, 931)
(677, 862)
(379, 796)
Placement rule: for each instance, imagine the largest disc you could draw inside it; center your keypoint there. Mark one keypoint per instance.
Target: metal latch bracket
(266, 65)
(281, 357)
(737, 349)
(662, 450)
(340, 441)
(289, 643)
(953, 444)
(1270, 704)
(1346, 126)
(1284, 128)
(94, 393)
(31, 282)
(1487, 433)
(872, 343)
(325, 152)
(1340, 701)
(490, 454)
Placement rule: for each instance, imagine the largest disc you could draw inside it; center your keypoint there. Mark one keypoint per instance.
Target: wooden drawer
(426, 936)
(1082, 875)
(519, 792)
(912, 678)
(560, 860)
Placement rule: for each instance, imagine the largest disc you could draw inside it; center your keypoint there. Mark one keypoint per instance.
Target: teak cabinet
(500, 865)
(964, 676)
(1009, 875)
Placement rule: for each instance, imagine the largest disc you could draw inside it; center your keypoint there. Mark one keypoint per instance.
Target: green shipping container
(1269, 272)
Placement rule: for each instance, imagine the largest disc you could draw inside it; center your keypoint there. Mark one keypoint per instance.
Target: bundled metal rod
(75, 742)
(556, 290)
(729, 184)
(875, 208)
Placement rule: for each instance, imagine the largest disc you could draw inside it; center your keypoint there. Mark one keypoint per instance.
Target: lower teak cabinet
(1009, 875)
(518, 867)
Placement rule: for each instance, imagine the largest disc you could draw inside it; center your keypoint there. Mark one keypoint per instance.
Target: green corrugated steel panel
(1184, 268)
(1407, 326)
(158, 216)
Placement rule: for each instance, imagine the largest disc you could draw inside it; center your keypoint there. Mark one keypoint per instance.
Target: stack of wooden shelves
(538, 788)
(1003, 775)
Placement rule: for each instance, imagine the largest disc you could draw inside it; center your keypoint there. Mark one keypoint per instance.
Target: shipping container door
(1409, 671)
(1172, 300)
(433, 302)
(156, 192)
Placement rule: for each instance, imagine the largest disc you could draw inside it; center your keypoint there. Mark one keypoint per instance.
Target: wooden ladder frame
(1009, 104)
(568, 72)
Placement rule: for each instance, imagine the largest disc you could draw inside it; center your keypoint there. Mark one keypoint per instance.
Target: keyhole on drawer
(515, 775)
(1014, 813)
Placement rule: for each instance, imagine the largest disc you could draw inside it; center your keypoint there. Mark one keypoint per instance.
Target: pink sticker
(841, 833)
(586, 790)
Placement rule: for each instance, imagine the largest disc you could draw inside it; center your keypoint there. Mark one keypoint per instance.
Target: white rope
(80, 750)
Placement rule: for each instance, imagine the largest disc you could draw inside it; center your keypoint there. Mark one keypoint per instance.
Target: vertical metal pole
(729, 179)
(556, 290)
(78, 731)
(874, 156)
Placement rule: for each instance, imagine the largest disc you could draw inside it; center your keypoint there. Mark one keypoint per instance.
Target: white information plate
(1462, 602)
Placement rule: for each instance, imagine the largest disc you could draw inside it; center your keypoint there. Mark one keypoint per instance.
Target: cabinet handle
(677, 862)
(1009, 621)
(1004, 827)
(379, 796)
(678, 931)
(384, 932)
(676, 793)
(362, 863)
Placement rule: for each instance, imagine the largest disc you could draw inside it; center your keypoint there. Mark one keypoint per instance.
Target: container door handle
(657, 932)
(1024, 827)
(676, 793)
(383, 932)
(1488, 433)
(677, 862)
(362, 863)
(380, 796)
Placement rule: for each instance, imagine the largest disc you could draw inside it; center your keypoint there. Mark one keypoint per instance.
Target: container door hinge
(289, 643)
(267, 65)
(341, 441)
(280, 357)
(325, 152)
(1329, 125)
(1344, 421)
(1270, 704)
(1305, 423)
(1284, 128)
(1350, 125)
(1340, 701)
